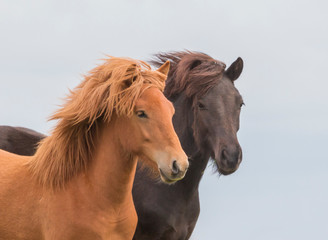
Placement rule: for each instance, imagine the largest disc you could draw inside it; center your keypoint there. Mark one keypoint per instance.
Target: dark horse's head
(211, 105)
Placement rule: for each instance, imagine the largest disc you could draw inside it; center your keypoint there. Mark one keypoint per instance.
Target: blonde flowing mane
(112, 87)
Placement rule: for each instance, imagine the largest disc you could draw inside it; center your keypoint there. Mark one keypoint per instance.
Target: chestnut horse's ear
(164, 68)
(234, 71)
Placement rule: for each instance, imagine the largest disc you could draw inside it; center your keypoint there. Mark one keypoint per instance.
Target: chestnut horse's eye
(242, 104)
(142, 114)
(201, 106)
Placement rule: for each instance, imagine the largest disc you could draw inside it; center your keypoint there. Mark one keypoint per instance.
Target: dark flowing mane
(192, 72)
(112, 87)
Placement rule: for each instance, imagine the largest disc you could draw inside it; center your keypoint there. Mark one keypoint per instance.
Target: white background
(280, 191)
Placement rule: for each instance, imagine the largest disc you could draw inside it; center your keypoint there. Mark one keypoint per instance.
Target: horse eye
(242, 104)
(201, 106)
(142, 114)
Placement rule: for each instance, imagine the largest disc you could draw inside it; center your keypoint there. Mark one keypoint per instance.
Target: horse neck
(197, 165)
(182, 121)
(112, 170)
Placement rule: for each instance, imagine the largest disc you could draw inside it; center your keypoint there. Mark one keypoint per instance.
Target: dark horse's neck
(183, 120)
(190, 183)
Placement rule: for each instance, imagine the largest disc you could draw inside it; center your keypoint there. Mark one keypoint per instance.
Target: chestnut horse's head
(148, 131)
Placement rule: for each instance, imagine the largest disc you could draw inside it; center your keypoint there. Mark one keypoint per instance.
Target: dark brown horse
(206, 120)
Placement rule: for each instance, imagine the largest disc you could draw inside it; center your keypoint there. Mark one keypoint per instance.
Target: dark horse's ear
(195, 64)
(234, 71)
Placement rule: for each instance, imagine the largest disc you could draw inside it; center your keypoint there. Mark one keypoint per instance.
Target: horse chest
(87, 220)
(98, 227)
(172, 220)
(182, 225)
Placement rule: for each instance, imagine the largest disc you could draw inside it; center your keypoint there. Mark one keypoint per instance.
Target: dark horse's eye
(142, 114)
(201, 106)
(242, 104)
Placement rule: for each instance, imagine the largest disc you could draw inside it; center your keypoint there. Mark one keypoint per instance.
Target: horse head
(149, 134)
(216, 119)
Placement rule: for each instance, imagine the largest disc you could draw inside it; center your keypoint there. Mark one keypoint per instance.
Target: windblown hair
(110, 88)
(191, 72)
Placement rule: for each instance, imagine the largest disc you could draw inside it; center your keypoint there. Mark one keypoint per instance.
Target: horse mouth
(225, 167)
(166, 179)
(225, 172)
(222, 170)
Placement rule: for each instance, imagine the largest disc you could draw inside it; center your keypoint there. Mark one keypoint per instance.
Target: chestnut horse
(207, 113)
(78, 184)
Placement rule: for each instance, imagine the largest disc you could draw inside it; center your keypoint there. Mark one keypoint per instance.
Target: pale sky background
(280, 191)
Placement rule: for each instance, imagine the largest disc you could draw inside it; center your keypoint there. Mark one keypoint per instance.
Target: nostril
(175, 168)
(224, 154)
(230, 159)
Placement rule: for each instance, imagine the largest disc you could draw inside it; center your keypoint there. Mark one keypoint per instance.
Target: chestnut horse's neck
(112, 169)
